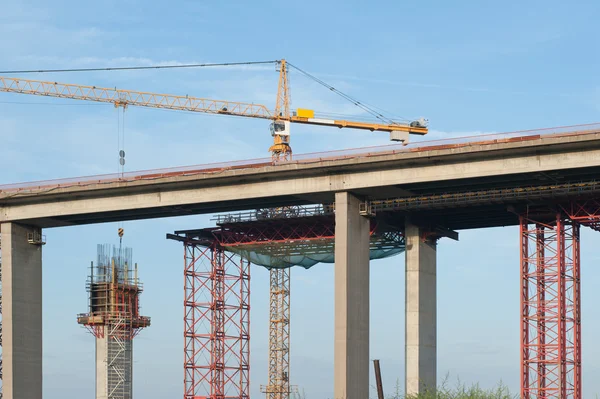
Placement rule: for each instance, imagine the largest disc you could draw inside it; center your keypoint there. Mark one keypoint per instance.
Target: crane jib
(124, 98)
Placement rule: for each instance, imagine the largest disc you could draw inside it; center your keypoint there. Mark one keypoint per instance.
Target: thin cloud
(437, 86)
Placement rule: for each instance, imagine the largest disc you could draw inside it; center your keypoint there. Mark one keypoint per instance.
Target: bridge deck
(7, 190)
(541, 157)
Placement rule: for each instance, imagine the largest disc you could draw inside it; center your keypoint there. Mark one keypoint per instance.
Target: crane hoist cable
(121, 140)
(121, 168)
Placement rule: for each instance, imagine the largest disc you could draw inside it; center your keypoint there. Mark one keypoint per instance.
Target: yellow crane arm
(124, 98)
(396, 127)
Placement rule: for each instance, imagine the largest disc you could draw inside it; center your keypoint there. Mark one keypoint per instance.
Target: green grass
(445, 391)
(461, 391)
(458, 391)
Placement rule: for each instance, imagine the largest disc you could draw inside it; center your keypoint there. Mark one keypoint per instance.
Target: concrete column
(21, 314)
(101, 366)
(421, 358)
(351, 348)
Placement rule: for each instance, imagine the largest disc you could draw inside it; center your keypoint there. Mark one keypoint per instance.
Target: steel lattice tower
(551, 309)
(279, 335)
(216, 323)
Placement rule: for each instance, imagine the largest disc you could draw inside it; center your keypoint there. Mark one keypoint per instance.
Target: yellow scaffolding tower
(279, 336)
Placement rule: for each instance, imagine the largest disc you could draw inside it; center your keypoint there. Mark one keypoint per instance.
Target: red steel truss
(278, 231)
(217, 323)
(586, 212)
(551, 309)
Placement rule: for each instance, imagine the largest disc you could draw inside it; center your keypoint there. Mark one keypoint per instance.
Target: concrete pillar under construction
(351, 348)
(101, 367)
(114, 365)
(420, 317)
(114, 319)
(21, 312)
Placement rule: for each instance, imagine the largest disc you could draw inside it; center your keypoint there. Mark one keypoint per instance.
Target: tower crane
(281, 118)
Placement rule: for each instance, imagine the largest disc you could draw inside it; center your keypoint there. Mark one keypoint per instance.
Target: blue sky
(470, 67)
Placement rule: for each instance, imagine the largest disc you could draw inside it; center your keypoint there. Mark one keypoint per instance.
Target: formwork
(114, 319)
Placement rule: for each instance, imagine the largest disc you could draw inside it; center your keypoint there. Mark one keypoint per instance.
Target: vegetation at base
(444, 391)
(463, 392)
(459, 391)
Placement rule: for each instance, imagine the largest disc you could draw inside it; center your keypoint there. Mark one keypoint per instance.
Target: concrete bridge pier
(351, 347)
(420, 313)
(21, 312)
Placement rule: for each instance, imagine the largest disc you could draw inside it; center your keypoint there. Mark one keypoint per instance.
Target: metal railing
(487, 196)
(284, 212)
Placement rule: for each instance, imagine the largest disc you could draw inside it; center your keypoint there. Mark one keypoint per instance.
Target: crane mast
(279, 279)
(280, 127)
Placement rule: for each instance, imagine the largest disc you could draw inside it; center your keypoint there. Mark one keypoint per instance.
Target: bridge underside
(493, 200)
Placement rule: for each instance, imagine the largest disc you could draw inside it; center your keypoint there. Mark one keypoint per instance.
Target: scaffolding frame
(119, 362)
(114, 316)
(216, 322)
(551, 348)
(550, 308)
(279, 335)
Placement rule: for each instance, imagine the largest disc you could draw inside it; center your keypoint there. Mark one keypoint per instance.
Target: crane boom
(120, 97)
(124, 98)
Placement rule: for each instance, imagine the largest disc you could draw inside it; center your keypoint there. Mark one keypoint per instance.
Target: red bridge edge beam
(550, 308)
(279, 231)
(217, 296)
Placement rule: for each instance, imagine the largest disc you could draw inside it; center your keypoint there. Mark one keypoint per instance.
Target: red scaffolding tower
(217, 298)
(551, 309)
(551, 300)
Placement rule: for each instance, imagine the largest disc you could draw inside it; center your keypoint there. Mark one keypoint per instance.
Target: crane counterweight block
(396, 135)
